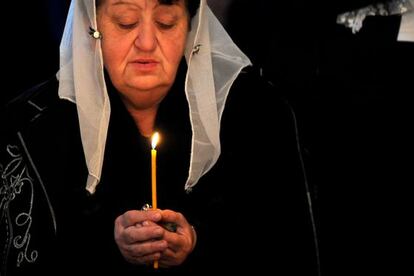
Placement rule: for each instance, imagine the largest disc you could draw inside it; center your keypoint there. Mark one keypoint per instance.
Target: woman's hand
(142, 240)
(138, 236)
(180, 243)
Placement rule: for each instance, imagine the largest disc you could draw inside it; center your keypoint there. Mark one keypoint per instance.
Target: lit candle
(154, 140)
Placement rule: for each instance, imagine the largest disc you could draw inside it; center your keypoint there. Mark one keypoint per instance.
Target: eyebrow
(123, 2)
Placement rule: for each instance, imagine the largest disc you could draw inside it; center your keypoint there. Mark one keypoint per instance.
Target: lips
(145, 61)
(144, 64)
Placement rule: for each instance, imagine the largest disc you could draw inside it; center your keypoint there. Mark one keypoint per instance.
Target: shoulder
(258, 116)
(255, 104)
(251, 86)
(259, 94)
(31, 105)
(43, 169)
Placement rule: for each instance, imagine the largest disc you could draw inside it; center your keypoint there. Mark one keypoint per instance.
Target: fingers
(134, 217)
(138, 237)
(148, 259)
(180, 243)
(140, 256)
(146, 250)
(171, 258)
(128, 227)
(175, 217)
(179, 247)
(177, 242)
(134, 234)
(186, 236)
(142, 237)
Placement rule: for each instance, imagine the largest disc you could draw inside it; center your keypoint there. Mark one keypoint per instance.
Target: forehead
(139, 2)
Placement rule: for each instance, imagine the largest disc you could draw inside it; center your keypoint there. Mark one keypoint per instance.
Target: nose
(146, 38)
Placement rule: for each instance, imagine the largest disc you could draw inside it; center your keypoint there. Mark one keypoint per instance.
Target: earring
(95, 34)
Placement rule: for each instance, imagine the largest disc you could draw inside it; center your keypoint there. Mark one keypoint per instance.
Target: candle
(154, 141)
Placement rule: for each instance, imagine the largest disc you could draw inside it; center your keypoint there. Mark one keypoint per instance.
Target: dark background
(351, 95)
(31, 34)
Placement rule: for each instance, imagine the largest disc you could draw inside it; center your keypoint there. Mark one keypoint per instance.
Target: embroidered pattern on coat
(16, 183)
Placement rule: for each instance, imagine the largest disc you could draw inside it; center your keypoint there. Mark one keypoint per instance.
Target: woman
(75, 153)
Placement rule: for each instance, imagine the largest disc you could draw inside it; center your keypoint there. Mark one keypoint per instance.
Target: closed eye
(165, 26)
(128, 26)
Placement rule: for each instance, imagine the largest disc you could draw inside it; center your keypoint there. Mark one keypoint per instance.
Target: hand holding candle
(154, 141)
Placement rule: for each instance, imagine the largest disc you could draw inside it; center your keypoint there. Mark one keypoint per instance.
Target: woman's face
(142, 44)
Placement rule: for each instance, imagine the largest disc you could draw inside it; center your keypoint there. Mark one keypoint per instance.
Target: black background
(351, 93)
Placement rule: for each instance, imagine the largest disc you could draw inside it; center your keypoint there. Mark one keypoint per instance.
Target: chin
(148, 83)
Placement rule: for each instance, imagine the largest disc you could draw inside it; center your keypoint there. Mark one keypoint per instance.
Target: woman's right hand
(139, 244)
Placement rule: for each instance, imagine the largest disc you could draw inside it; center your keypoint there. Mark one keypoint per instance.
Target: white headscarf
(214, 62)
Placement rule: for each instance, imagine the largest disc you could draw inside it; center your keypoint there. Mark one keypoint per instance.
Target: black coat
(250, 211)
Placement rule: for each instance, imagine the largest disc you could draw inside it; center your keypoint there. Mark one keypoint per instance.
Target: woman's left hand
(180, 243)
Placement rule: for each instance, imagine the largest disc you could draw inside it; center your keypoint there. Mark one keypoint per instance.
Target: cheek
(108, 60)
(113, 53)
(174, 47)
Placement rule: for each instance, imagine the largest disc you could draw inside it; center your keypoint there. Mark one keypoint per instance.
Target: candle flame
(154, 140)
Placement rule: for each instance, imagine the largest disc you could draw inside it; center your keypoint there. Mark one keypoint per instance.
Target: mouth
(145, 61)
(144, 64)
